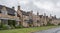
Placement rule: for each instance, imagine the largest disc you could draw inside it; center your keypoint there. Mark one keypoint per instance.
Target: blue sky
(47, 6)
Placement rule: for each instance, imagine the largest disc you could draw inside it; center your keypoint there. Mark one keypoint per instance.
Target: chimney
(50, 15)
(31, 11)
(37, 13)
(55, 16)
(30, 15)
(18, 7)
(44, 14)
(13, 7)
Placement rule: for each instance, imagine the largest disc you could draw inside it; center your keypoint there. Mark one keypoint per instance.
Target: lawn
(27, 30)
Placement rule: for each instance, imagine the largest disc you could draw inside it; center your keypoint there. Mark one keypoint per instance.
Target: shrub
(59, 24)
(12, 27)
(49, 24)
(18, 26)
(6, 27)
(0, 26)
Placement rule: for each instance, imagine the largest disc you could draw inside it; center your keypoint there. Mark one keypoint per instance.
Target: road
(53, 30)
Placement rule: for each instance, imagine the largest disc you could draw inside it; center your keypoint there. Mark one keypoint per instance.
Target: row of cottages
(10, 16)
(54, 20)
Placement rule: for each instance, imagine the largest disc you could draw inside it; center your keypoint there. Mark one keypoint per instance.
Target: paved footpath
(53, 30)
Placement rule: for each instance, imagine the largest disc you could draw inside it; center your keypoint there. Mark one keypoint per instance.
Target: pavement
(53, 30)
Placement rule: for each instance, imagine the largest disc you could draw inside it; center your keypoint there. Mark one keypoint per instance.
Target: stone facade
(26, 19)
(54, 20)
(7, 14)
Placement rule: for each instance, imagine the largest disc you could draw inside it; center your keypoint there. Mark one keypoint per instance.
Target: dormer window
(4, 12)
(12, 13)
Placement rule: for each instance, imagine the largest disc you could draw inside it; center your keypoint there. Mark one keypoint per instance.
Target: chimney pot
(18, 7)
(13, 8)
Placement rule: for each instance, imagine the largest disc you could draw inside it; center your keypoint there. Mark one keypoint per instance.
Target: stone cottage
(8, 15)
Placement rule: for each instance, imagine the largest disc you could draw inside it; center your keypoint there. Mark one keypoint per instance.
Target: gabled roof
(9, 10)
(1, 6)
(40, 16)
(25, 13)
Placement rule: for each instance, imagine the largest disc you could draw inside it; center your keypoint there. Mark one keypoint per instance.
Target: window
(50, 19)
(30, 21)
(37, 21)
(40, 16)
(0, 11)
(26, 20)
(11, 14)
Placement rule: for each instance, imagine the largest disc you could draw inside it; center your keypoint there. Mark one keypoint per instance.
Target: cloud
(8, 3)
(47, 6)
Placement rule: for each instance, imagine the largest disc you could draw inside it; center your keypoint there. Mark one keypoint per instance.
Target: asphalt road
(53, 30)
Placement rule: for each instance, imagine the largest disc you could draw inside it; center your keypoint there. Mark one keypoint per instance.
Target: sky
(42, 6)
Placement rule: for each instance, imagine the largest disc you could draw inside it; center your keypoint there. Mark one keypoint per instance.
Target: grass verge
(27, 30)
